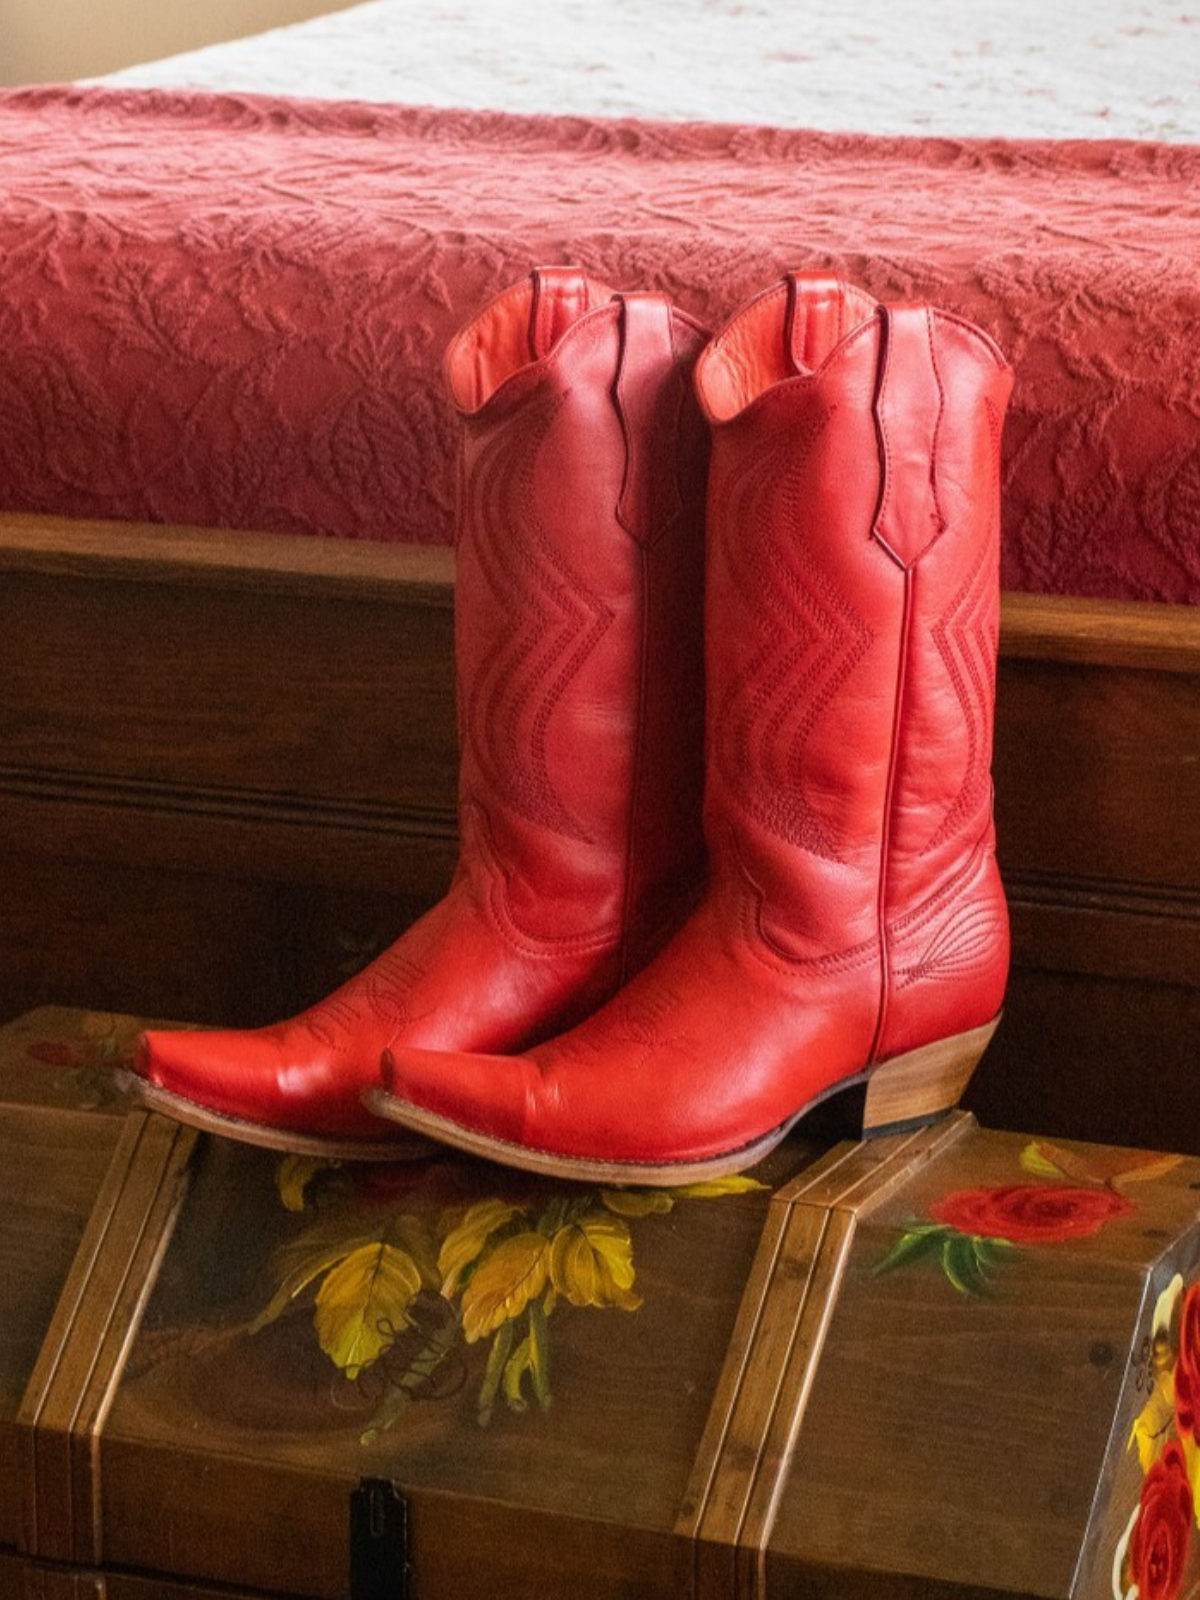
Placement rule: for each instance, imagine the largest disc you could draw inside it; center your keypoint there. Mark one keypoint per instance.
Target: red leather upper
(854, 910)
(578, 647)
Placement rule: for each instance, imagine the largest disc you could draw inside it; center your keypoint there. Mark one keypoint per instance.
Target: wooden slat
(57, 1583)
(742, 1346)
(1139, 634)
(182, 828)
(792, 1273)
(863, 1175)
(70, 1388)
(1057, 628)
(791, 1402)
(1095, 772)
(758, 1406)
(224, 558)
(39, 1580)
(1096, 932)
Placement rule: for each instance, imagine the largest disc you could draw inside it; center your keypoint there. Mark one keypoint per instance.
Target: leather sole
(906, 1092)
(180, 1109)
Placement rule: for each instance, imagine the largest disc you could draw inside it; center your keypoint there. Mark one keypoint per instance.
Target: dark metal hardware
(379, 1565)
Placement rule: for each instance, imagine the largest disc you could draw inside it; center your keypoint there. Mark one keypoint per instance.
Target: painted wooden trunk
(946, 1363)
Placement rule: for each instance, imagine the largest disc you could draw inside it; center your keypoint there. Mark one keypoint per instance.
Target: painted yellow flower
(293, 1176)
(363, 1303)
(1152, 1428)
(591, 1263)
(512, 1275)
(1191, 1456)
(1153, 1425)
(647, 1202)
(466, 1239)
(637, 1202)
(714, 1188)
(1165, 1325)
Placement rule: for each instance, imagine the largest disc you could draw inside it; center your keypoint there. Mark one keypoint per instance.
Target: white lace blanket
(1017, 68)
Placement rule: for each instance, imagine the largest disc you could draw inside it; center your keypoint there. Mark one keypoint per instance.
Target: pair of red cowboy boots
(671, 934)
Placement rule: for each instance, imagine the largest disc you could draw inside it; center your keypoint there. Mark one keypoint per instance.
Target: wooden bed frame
(227, 769)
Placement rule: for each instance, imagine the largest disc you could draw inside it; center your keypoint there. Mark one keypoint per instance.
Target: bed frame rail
(227, 772)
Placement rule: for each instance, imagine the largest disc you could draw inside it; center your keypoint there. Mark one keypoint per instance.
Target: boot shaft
(578, 610)
(852, 612)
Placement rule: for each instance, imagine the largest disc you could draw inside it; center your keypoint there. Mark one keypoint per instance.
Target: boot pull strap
(909, 402)
(649, 395)
(820, 306)
(560, 298)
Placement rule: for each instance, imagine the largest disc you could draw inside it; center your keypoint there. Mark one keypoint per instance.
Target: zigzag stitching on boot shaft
(555, 622)
(967, 636)
(817, 640)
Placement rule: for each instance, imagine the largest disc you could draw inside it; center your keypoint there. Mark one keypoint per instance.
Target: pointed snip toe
(173, 1075)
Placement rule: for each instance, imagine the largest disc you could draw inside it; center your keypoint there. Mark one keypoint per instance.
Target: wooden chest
(948, 1363)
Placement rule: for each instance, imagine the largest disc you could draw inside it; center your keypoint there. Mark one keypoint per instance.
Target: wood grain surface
(911, 1366)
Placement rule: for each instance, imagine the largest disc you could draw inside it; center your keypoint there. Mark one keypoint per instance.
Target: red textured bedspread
(230, 311)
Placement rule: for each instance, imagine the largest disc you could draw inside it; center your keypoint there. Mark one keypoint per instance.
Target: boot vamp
(718, 1042)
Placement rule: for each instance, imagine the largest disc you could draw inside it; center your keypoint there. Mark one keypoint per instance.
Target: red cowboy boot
(855, 928)
(578, 640)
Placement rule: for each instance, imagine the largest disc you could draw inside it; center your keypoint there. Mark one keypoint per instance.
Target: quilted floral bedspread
(230, 310)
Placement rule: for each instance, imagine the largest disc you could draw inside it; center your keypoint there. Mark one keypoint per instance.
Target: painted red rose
(385, 1181)
(1187, 1372)
(1162, 1537)
(1030, 1213)
(53, 1052)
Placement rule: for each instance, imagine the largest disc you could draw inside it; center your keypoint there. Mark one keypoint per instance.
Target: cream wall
(44, 41)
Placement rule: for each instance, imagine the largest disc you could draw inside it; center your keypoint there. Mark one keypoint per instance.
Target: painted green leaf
(990, 1252)
(497, 1360)
(913, 1245)
(591, 1263)
(421, 1368)
(539, 1355)
(512, 1275)
(1152, 1426)
(515, 1369)
(532, 1356)
(961, 1265)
